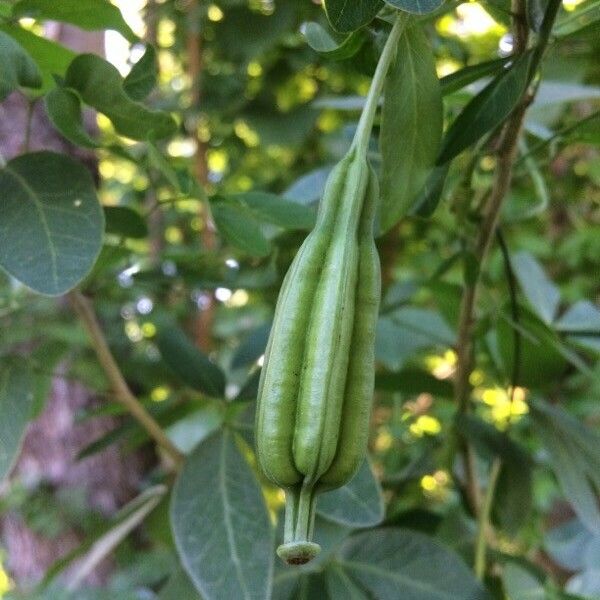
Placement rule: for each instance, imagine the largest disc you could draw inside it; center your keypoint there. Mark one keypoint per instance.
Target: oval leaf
(488, 109)
(396, 563)
(18, 68)
(359, 503)
(16, 407)
(193, 367)
(51, 222)
(349, 15)
(220, 523)
(411, 127)
(101, 86)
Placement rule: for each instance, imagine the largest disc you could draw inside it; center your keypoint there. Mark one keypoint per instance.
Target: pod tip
(298, 553)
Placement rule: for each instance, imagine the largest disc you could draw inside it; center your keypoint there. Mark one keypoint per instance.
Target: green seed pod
(317, 380)
(360, 381)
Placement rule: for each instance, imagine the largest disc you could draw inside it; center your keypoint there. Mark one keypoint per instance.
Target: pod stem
(297, 547)
(363, 131)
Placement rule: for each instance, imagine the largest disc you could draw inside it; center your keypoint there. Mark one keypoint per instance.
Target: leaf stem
(85, 311)
(483, 520)
(367, 118)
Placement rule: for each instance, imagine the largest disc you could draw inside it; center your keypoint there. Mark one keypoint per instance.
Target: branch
(506, 156)
(85, 311)
(507, 150)
(484, 518)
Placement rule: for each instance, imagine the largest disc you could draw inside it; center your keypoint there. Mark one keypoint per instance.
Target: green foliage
(87, 14)
(488, 109)
(347, 16)
(411, 126)
(16, 404)
(100, 86)
(190, 364)
(19, 69)
(51, 58)
(204, 195)
(220, 523)
(52, 223)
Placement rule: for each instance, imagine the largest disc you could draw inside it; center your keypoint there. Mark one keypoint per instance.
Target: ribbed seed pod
(317, 380)
(283, 364)
(360, 380)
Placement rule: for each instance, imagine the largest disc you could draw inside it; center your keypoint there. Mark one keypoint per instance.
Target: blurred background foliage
(259, 110)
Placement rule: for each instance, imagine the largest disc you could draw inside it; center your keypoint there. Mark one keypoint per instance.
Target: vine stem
(484, 518)
(86, 313)
(506, 157)
(367, 117)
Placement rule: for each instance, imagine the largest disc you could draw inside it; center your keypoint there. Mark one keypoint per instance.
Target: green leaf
(349, 15)
(51, 222)
(157, 159)
(431, 193)
(251, 349)
(143, 76)
(417, 7)
(340, 585)
(191, 365)
(585, 18)
(178, 587)
(51, 58)
(514, 493)
(101, 86)
(542, 294)
(521, 584)
(125, 222)
(64, 110)
(397, 563)
(91, 15)
(358, 504)
(582, 317)
(568, 544)
(574, 451)
(309, 188)
(488, 109)
(408, 330)
(188, 432)
(16, 407)
(541, 362)
(411, 125)
(220, 523)
(18, 68)
(331, 44)
(271, 208)
(413, 381)
(238, 226)
(463, 77)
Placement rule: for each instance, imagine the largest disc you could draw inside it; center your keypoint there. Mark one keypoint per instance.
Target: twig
(507, 150)
(85, 310)
(484, 518)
